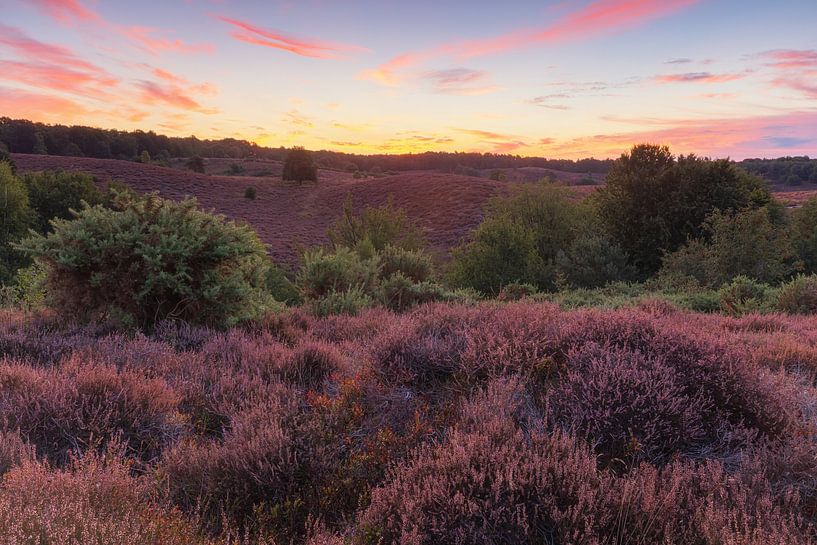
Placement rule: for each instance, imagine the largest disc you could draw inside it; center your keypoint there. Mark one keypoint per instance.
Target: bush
(280, 287)
(323, 273)
(196, 164)
(515, 291)
(5, 157)
(381, 227)
(235, 169)
(53, 195)
(250, 193)
(299, 167)
(400, 293)
(413, 264)
(653, 203)
(744, 295)
(593, 261)
(15, 219)
(804, 233)
(799, 296)
(152, 260)
(349, 301)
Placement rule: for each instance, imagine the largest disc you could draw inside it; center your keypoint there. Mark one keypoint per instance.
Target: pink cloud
(67, 11)
(252, 34)
(146, 37)
(792, 58)
(698, 77)
(29, 48)
(170, 95)
(597, 18)
(460, 81)
(57, 78)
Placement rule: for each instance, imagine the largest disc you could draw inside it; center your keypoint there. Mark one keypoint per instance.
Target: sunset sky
(556, 78)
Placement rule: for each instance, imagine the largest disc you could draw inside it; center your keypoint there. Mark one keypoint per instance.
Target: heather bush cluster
(488, 423)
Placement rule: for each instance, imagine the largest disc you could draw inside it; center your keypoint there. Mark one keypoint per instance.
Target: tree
(152, 259)
(299, 166)
(144, 157)
(653, 203)
(52, 195)
(804, 233)
(196, 164)
(381, 226)
(15, 218)
(5, 157)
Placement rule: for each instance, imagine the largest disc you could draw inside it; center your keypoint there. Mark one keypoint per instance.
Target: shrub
(14, 451)
(592, 261)
(5, 157)
(381, 227)
(799, 296)
(804, 233)
(53, 195)
(744, 295)
(144, 157)
(300, 167)
(516, 291)
(151, 260)
(310, 363)
(196, 164)
(349, 301)
(413, 264)
(83, 406)
(250, 193)
(235, 169)
(400, 293)
(322, 273)
(280, 287)
(653, 203)
(95, 501)
(15, 219)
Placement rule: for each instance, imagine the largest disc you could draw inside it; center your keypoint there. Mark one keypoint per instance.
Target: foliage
(798, 296)
(743, 295)
(536, 235)
(53, 195)
(789, 170)
(299, 166)
(28, 290)
(653, 203)
(250, 193)
(323, 273)
(382, 226)
(153, 259)
(15, 219)
(5, 157)
(744, 243)
(804, 233)
(349, 301)
(196, 164)
(280, 286)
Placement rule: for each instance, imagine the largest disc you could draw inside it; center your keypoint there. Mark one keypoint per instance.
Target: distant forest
(23, 136)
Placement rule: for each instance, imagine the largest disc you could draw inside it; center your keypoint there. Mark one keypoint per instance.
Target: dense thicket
(784, 170)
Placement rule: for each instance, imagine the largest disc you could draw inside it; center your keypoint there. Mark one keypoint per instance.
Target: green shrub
(804, 233)
(144, 157)
(399, 292)
(799, 296)
(28, 290)
(5, 157)
(743, 295)
(516, 291)
(382, 226)
(323, 273)
(413, 264)
(280, 287)
(349, 301)
(654, 203)
(520, 240)
(52, 195)
(196, 164)
(153, 259)
(592, 261)
(15, 219)
(250, 193)
(299, 166)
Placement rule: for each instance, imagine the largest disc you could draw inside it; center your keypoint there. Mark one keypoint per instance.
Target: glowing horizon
(559, 79)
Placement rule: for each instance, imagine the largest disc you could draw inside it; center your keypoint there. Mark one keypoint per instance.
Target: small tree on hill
(196, 164)
(52, 195)
(300, 167)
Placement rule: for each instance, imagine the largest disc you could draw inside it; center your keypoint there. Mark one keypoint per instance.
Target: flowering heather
(494, 423)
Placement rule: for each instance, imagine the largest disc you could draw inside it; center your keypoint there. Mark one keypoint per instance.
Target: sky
(559, 79)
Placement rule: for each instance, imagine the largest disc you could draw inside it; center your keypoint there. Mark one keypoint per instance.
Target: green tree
(5, 157)
(144, 157)
(152, 259)
(299, 166)
(653, 203)
(196, 164)
(804, 233)
(52, 195)
(15, 219)
(381, 226)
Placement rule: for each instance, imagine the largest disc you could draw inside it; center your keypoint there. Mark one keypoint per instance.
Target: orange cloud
(598, 17)
(698, 77)
(268, 38)
(145, 37)
(57, 78)
(22, 104)
(170, 95)
(29, 48)
(460, 81)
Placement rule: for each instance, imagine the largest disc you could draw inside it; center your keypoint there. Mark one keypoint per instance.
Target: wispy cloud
(600, 17)
(67, 11)
(18, 103)
(170, 95)
(460, 81)
(249, 33)
(699, 77)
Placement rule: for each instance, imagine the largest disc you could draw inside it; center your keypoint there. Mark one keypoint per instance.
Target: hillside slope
(287, 216)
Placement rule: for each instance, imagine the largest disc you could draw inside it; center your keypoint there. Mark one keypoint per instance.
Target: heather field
(489, 423)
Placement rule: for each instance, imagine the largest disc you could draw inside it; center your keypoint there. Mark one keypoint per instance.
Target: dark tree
(653, 203)
(300, 167)
(196, 164)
